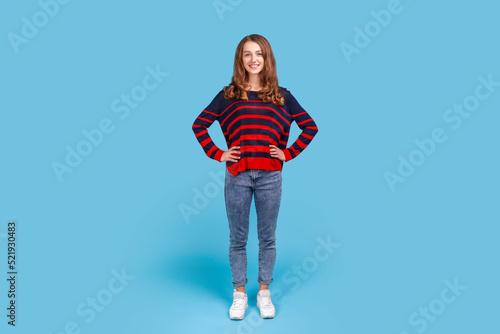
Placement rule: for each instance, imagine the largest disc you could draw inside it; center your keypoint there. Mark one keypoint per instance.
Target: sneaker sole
(269, 317)
(236, 318)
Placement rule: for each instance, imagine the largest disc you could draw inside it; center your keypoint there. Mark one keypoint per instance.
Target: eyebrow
(251, 51)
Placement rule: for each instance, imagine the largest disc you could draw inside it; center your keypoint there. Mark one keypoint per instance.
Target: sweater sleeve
(203, 122)
(304, 122)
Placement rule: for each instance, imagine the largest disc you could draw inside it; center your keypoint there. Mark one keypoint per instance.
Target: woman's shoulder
(219, 96)
(220, 93)
(285, 92)
(218, 102)
(287, 95)
(221, 100)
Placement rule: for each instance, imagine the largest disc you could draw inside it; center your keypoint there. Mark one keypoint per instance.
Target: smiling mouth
(254, 66)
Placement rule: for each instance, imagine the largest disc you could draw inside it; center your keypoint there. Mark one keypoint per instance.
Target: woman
(255, 115)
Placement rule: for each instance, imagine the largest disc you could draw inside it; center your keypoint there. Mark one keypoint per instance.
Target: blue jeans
(238, 191)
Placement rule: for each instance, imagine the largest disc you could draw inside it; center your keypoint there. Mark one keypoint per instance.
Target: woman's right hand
(232, 154)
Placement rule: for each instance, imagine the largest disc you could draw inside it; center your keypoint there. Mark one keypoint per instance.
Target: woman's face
(252, 58)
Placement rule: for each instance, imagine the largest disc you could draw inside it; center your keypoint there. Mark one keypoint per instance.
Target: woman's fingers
(235, 151)
(276, 153)
(232, 154)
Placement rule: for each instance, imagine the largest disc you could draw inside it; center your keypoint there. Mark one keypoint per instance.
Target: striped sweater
(254, 125)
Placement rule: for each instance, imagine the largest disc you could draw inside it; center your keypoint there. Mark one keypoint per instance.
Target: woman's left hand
(277, 153)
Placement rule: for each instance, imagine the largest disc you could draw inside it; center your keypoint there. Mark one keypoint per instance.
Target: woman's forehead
(251, 46)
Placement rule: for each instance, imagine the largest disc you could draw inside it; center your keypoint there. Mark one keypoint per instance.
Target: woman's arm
(200, 129)
(304, 122)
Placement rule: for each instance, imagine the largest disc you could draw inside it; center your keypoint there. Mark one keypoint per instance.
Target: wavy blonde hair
(270, 91)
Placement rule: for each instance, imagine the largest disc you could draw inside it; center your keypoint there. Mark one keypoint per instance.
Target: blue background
(121, 207)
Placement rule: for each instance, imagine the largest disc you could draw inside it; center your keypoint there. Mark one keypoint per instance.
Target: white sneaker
(240, 304)
(265, 304)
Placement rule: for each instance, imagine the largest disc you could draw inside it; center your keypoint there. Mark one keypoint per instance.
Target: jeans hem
(265, 282)
(240, 284)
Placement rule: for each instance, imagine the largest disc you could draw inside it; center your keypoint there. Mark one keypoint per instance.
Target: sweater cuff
(218, 155)
(288, 156)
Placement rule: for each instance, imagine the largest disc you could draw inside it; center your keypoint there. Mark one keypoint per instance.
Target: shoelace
(238, 303)
(265, 301)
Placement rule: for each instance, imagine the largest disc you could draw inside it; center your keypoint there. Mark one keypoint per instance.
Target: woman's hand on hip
(232, 154)
(277, 153)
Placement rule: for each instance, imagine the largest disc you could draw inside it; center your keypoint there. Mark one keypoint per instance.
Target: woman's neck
(254, 82)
